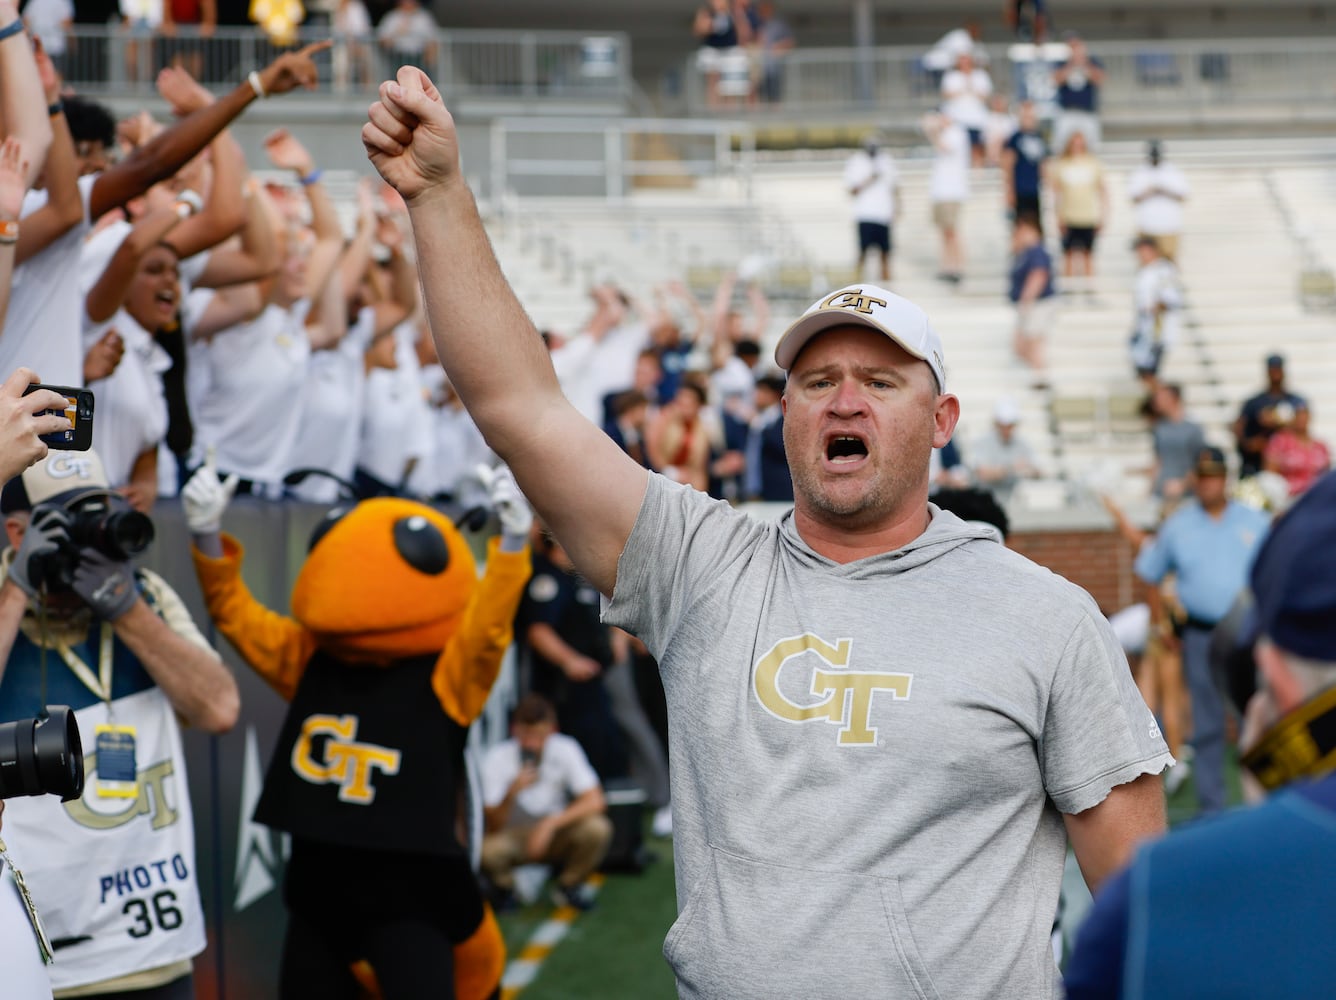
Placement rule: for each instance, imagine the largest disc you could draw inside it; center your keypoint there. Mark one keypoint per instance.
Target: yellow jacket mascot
(393, 645)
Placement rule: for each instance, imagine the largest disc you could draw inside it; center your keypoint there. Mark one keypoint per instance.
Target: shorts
(976, 137)
(1028, 204)
(873, 234)
(1079, 238)
(945, 214)
(1037, 320)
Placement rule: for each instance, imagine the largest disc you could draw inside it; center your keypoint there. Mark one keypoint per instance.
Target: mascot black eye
(421, 544)
(321, 529)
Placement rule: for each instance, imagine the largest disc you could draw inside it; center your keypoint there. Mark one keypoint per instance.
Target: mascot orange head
(386, 579)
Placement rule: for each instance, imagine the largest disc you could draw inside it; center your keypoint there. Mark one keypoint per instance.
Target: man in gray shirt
(885, 726)
(1177, 442)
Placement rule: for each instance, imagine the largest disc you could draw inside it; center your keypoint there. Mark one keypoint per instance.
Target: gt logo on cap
(64, 465)
(855, 300)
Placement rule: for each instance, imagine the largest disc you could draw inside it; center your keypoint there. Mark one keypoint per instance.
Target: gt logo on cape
(846, 695)
(346, 762)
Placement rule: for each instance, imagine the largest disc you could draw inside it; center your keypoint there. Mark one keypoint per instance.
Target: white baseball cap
(59, 473)
(875, 308)
(1005, 411)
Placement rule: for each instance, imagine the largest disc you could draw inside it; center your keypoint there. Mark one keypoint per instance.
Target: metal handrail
(1291, 78)
(568, 65)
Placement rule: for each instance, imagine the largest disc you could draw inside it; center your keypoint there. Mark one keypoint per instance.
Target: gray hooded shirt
(870, 760)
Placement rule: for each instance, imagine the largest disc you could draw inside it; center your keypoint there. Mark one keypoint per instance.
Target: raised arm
(489, 347)
(22, 107)
(113, 285)
(64, 205)
(166, 153)
(224, 211)
(287, 153)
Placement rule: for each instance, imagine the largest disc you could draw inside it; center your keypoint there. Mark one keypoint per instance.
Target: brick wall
(1098, 560)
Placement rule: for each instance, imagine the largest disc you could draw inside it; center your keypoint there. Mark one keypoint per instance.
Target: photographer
(113, 872)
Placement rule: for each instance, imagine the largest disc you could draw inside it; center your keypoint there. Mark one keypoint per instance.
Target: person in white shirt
(965, 93)
(133, 299)
(354, 312)
(253, 369)
(396, 421)
(542, 803)
(407, 35)
(870, 178)
(1158, 191)
(948, 189)
(601, 358)
(1157, 298)
(42, 329)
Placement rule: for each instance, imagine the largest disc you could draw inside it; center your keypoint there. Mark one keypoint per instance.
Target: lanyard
(101, 684)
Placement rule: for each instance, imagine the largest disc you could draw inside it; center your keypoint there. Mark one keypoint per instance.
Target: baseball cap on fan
(59, 473)
(872, 307)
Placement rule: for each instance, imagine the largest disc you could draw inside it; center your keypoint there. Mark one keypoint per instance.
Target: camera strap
(43, 942)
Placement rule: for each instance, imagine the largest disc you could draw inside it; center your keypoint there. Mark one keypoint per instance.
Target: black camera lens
(126, 533)
(84, 407)
(42, 756)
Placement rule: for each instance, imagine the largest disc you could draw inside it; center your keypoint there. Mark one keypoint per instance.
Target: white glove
(512, 510)
(205, 497)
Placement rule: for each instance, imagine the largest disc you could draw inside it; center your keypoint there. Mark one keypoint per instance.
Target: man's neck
(841, 544)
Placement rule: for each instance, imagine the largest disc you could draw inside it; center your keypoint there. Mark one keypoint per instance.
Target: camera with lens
(106, 523)
(42, 756)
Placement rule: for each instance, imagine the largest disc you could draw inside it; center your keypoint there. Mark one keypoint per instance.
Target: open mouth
(845, 449)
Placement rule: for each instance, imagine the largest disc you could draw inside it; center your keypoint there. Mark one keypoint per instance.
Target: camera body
(42, 756)
(104, 522)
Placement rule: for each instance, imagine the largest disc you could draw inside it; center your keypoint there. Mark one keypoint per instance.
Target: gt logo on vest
(847, 700)
(344, 761)
(152, 800)
(854, 300)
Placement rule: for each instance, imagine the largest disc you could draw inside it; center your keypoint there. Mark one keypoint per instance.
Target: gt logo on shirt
(344, 761)
(848, 694)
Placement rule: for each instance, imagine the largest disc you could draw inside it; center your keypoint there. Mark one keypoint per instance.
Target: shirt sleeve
(580, 774)
(1097, 731)
(1154, 560)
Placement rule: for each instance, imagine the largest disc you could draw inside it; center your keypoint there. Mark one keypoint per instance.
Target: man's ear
(945, 417)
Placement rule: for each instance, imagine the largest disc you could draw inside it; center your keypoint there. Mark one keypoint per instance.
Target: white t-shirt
(407, 32)
(589, 370)
(874, 202)
(396, 421)
(332, 400)
(564, 773)
(131, 414)
(734, 387)
(457, 449)
(250, 409)
(950, 177)
(46, 19)
(1158, 214)
(41, 329)
(965, 97)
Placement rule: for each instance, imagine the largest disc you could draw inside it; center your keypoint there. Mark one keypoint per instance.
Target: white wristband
(256, 85)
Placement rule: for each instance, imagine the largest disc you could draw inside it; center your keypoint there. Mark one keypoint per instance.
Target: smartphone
(80, 413)
(528, 758)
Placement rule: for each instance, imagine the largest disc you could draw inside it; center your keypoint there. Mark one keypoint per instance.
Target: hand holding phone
(25, 416)
(75, 405)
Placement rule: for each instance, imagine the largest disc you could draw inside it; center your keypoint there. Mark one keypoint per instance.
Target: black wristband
(55, 108)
